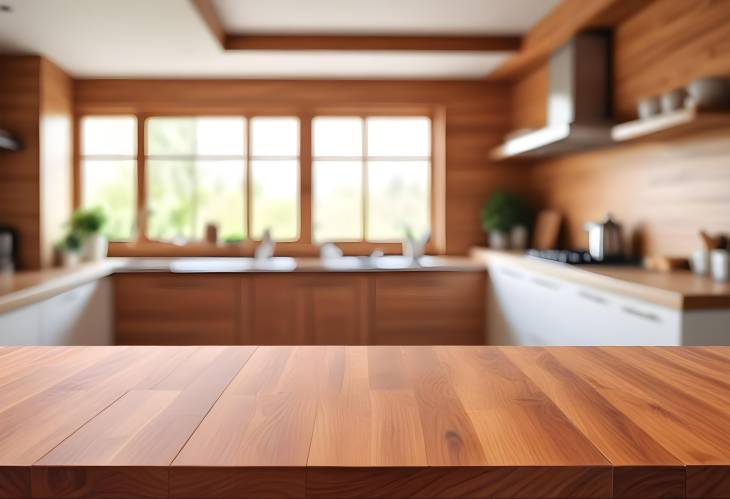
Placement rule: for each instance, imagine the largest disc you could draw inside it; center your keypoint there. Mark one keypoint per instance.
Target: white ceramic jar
(720, 265)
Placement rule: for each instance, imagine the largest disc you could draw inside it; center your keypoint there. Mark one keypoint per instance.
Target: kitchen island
(359, 421)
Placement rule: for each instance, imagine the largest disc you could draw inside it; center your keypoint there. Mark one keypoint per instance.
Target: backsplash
(662, 193)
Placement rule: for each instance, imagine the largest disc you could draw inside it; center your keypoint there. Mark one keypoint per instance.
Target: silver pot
(604, 239)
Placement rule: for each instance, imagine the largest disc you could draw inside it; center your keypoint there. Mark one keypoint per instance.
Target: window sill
(245, 249)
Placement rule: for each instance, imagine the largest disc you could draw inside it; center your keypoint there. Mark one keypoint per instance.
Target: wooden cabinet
(429, 308)
(318, 308)
(310, 309)
(176, 309)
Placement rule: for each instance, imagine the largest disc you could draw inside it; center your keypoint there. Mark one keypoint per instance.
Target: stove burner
(576, 257)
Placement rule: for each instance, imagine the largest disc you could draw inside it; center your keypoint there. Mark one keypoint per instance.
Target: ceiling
(167, 38)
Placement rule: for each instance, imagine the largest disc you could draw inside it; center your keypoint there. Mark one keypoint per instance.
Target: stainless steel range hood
(579, 101)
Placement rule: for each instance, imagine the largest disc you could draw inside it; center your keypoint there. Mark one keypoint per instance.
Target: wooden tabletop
(427, 422)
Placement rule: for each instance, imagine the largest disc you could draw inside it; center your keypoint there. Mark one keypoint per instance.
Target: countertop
(506, 422)
(18, 289)
(679, 289)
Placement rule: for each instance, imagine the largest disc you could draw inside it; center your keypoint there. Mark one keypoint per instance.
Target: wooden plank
(206, 10)
(643, 468)
(373, 43)
(148, 427)
(690, 428)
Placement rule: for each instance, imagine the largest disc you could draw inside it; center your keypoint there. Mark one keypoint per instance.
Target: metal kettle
(604, 239)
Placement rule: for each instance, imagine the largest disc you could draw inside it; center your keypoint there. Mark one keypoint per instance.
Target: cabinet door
(429, 308)
(176, 309)
(311, 309)
(80, 316)
(21, 326)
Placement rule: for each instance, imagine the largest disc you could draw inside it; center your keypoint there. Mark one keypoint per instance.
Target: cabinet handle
(649, 316)
(592, 297)
(510, 273)
(546, 284)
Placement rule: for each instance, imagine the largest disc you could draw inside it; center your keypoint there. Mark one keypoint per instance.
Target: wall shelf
(670, 125)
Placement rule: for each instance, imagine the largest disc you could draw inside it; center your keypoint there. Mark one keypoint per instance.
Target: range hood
(8, 142)
(578, 104)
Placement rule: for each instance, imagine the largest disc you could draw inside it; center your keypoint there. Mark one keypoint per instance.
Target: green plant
(88, 221)
(71, 242)
(502, 211)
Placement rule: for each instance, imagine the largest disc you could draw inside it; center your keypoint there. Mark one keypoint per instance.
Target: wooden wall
(477, 116)
(35, 105)
(664, 192)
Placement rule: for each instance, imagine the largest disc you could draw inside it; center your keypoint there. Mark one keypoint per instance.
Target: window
(370, 178)
(108, 171)
(275, 177)
(195, 176)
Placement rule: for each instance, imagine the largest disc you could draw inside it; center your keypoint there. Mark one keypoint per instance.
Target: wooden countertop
(678, 289)
(506, 422)
(18, 289)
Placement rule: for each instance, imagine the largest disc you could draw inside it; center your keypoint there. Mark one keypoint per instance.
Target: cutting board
(547, 230)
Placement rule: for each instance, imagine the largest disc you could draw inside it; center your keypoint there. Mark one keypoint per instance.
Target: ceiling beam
(560, 25)
(373, 43)
(208, 14)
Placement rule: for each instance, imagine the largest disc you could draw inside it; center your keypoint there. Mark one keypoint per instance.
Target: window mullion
(142, 211)
(365, 200)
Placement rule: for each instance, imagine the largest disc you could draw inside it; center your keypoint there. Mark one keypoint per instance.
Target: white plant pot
(498, 240)
(70, 258)
(94, 248)
(518, 237)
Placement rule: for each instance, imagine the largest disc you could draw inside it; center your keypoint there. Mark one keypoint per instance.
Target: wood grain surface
(365, 421)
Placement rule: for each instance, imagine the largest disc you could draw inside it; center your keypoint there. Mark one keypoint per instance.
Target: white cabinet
(21, 326)
(528, 308)
(79, 316)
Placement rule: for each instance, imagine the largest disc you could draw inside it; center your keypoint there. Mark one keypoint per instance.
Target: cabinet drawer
(176, 309)
(434, 308)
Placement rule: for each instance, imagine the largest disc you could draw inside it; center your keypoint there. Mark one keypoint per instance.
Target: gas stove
(577, 257)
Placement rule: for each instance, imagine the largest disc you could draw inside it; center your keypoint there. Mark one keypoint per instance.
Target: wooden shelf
(670, 125)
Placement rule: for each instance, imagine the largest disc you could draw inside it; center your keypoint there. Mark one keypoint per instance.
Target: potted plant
(88, 223)
(68, 249)
(504, 218)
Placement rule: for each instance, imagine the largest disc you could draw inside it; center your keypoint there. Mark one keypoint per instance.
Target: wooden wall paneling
(477, 115)
(529, 99)
(36, 105)
(663, 194)
(20, 87)
(56, 171)
(665, 46)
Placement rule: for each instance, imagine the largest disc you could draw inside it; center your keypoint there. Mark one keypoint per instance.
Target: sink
(346, 263)
(396, 262)
(229, 264)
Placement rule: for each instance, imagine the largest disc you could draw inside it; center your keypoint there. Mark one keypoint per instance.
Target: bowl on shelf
(712, 92)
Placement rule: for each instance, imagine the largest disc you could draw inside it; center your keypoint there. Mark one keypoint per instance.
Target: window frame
(365, 158)
(304, 245)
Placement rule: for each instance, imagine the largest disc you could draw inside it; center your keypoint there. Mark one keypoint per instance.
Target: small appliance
(8, 249)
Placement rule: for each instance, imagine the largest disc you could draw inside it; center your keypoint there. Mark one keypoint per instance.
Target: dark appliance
(8, 249)
(579, 257)
(8, 142)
